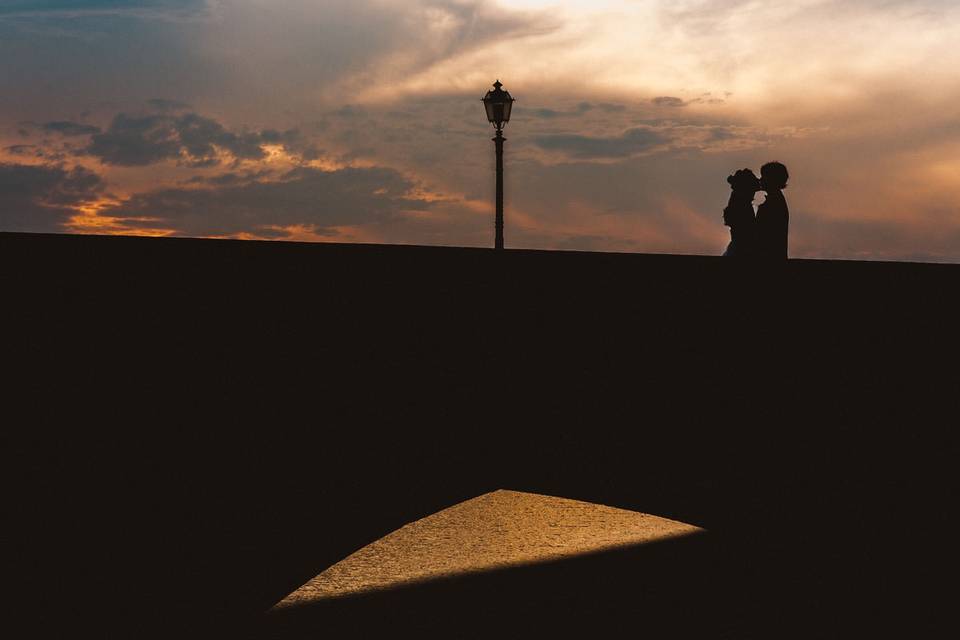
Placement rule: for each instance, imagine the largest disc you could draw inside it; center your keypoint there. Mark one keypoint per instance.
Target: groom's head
(774, 176)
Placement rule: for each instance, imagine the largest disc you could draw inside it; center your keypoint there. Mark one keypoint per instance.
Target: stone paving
(497, 529)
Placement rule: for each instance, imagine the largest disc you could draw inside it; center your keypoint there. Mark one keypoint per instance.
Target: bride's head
(744, 181)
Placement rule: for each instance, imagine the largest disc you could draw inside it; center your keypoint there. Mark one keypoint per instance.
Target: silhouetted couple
(763, 235)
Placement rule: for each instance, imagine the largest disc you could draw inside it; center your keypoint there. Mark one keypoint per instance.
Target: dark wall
(200, 426)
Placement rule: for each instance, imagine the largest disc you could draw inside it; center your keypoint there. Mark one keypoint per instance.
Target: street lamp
(498, 104)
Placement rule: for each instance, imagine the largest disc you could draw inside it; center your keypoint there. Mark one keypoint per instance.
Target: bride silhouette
(739, 216)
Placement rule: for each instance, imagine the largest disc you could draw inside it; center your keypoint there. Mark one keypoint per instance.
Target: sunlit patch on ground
(495, 530)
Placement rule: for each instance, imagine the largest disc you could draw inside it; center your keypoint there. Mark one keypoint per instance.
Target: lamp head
(498, 104)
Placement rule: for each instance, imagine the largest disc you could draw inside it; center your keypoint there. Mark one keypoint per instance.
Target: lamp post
(498, 104)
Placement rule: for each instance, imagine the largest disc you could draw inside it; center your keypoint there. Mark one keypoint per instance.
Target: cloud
(79, 7)
(546, 113)
(166, 106)
(304, 197)
(132, 141)
(68, 128)
(42, 198)
(47, 154)
(230, 178)
(578, 110)
(135, 141)
(366, 50)
(668, 101)
(30, 150)
(631, 142)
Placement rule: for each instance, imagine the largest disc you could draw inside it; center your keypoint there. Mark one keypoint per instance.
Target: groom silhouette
(773, 217)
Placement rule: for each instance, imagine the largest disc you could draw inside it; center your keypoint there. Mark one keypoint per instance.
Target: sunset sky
(361, 121)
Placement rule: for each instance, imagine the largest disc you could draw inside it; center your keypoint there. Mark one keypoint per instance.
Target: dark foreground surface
(198, 427)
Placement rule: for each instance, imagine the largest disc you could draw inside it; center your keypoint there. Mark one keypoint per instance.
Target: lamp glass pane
(489, 107)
